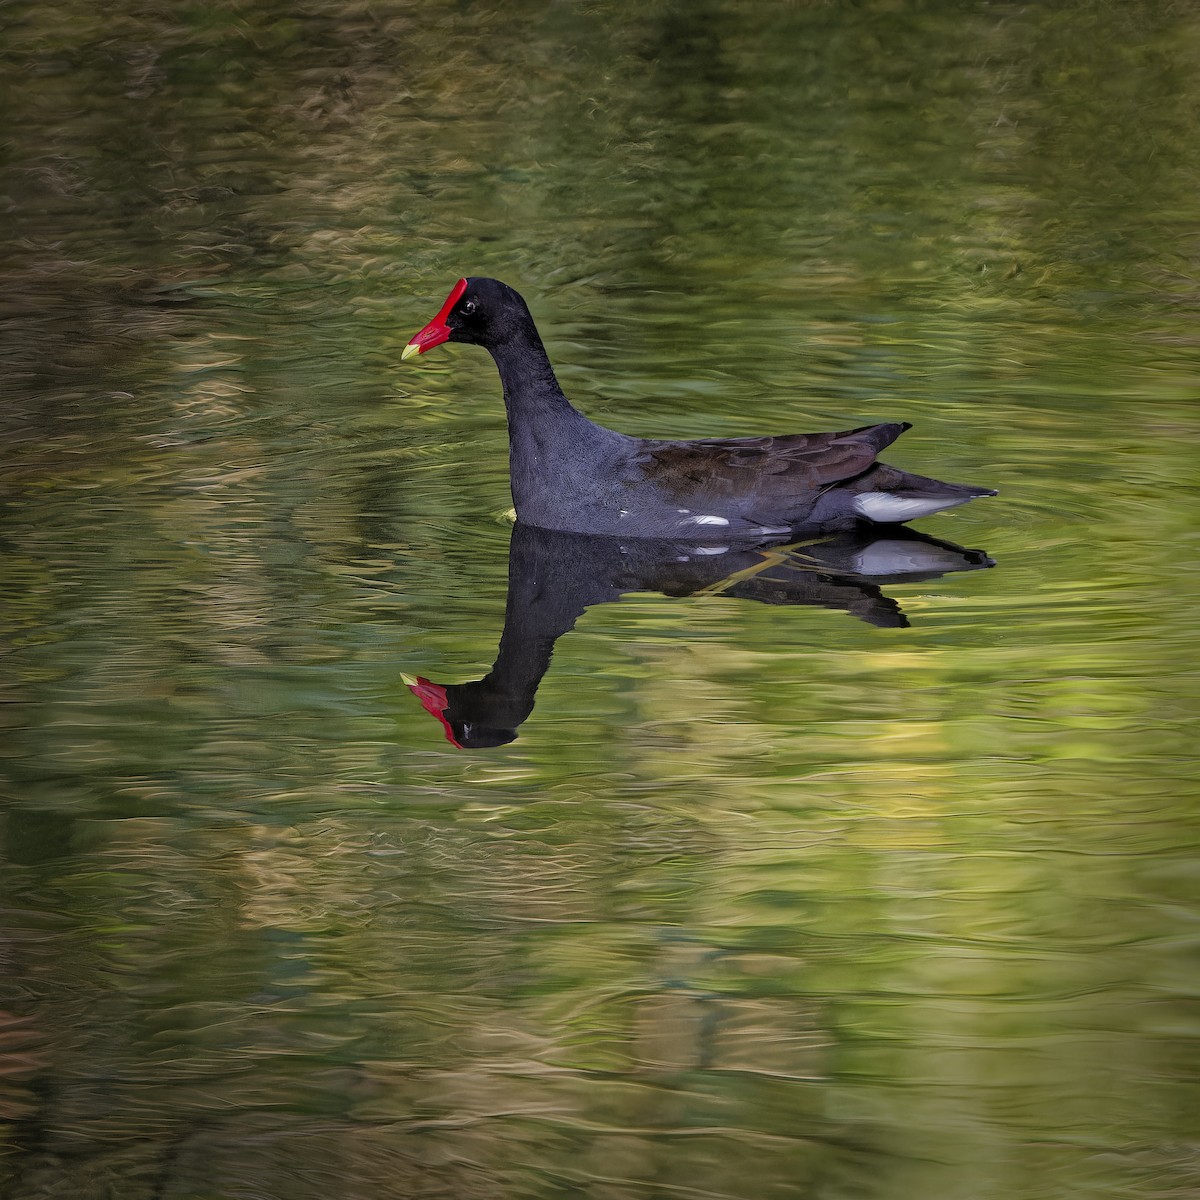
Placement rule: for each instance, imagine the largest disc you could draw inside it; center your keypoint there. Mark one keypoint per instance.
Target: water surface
(764, 901)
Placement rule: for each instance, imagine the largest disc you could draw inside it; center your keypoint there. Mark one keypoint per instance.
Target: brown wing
(765, 469)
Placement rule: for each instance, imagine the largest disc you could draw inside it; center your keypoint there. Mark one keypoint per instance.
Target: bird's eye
(469, 307)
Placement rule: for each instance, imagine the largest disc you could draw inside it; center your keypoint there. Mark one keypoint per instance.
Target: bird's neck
(554, 451)
(531, 390)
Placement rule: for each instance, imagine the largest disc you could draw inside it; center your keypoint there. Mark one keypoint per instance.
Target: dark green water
(764, 902)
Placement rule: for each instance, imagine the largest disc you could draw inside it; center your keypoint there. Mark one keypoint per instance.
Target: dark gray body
(568, 473)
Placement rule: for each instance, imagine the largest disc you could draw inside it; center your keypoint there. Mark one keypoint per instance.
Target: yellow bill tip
(409, 680)
(409, 350)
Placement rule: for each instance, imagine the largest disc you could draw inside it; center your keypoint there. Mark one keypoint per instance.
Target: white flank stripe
(710, 521)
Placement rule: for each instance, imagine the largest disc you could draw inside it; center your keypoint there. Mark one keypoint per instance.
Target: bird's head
(479, 311)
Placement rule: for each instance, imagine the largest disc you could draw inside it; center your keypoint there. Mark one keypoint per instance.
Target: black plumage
(568, 473)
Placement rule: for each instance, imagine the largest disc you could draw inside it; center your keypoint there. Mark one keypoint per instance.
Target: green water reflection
(765, 902)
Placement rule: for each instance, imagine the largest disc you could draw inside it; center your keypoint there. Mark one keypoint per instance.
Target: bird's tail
(889, 496)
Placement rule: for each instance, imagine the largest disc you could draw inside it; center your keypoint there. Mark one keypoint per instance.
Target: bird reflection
(553, 576)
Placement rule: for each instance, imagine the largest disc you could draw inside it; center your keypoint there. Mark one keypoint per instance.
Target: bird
(569, 473)
(554, 576)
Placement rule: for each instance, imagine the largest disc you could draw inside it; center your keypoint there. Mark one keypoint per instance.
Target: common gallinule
(569, 473)
(553, 576)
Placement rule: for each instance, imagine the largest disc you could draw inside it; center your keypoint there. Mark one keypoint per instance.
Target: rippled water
(765, 900)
